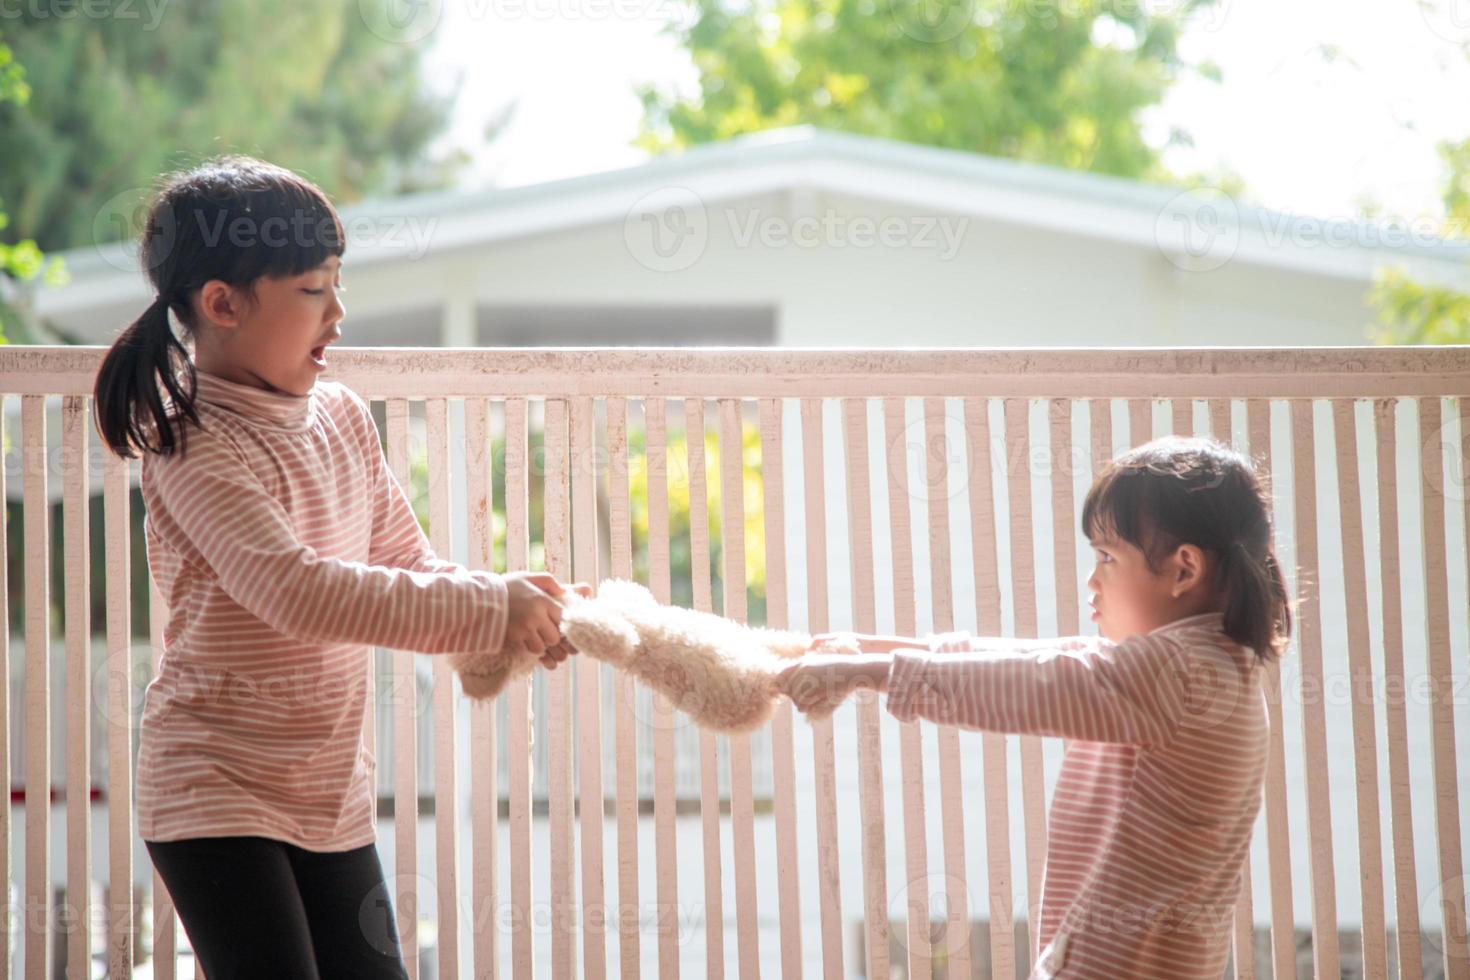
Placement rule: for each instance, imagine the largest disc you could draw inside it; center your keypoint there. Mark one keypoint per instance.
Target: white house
(804, 237)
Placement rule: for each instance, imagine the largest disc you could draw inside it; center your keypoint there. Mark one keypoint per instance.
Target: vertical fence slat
(951, 779)
(518, 707)
(661, 711)
(709, 759)
(589, 698)
(870, 759)
(484, 782)
(1220, 422)
(1064, 526)
(910, 735)
(164, 930)
(559, 689)
(1278, 844)
(1140, 421)
(992, 744)
(1360, 664)
(620, 537)
(829, 885)
(1314, 719)
(405, 736)
(446, 809)
(1023, 575)
(742, 791)
(1182, 415)
(783, 753)
(1451, 884)
(77, 538)
(1405, 884)
(1244, 936)
(37, 920)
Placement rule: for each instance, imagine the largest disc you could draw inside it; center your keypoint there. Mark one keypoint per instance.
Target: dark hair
(232, 218)
(1176, 490)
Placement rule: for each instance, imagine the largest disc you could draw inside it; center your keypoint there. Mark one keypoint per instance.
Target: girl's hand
(819, 682)
(534, 617)
(562, 649)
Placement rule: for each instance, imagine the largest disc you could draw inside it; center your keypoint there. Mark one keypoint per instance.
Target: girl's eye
(1104, 557)
(317, 292)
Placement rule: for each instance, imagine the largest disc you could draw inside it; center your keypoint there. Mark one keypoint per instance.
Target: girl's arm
(210, 503)
(951, 642)
(1079, 687)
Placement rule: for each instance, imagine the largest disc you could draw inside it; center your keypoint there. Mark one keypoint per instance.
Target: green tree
(119, 99)
(1411, 312)
(21, 261)
(1054, 83)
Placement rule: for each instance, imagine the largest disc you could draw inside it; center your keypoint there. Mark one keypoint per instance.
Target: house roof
(807, 159)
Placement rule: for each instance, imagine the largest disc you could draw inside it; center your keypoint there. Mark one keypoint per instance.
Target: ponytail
(129, 408)
(1257, 609)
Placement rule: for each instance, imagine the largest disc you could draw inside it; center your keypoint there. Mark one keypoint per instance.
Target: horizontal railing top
(715, 372)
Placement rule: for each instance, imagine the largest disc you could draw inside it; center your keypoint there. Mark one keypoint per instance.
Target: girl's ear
(221, 304)
(1187, 569)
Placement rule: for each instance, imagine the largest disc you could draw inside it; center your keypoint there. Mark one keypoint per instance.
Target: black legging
(256, 907)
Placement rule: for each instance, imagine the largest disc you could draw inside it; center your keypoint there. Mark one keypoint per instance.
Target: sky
(1323, 104)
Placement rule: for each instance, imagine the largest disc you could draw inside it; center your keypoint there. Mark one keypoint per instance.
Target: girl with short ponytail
(285, 551)
(1164, 713)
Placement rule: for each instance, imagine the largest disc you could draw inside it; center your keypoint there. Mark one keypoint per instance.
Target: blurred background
(775, 173)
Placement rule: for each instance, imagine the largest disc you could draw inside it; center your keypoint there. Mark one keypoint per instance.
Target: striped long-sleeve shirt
(285, 549)
(1160, 784)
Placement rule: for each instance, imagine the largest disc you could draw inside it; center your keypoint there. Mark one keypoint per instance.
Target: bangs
(1117, 504)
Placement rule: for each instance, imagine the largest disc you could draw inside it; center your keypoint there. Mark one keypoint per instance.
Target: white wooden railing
(901, 491)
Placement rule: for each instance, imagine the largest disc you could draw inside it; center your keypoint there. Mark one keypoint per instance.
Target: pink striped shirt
(285, 549)
(1160, 784)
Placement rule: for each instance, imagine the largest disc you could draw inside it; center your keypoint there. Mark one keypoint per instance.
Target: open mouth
(319, 355)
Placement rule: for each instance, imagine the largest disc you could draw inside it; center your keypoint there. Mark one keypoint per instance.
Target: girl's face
(277, 341)
(1131, 599)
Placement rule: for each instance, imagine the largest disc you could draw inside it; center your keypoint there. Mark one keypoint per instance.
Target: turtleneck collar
(274, 409)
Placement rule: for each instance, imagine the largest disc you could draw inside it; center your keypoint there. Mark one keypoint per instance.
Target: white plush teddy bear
(719, 672)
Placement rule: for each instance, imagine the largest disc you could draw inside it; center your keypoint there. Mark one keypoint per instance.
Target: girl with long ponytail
(285, 551)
